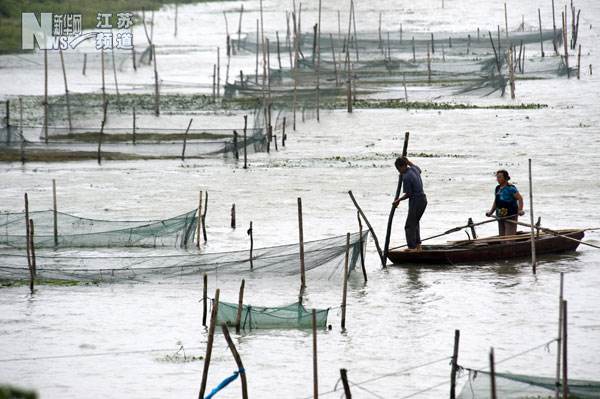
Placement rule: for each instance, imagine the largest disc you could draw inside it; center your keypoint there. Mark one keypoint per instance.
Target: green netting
(516, 386)
(322, 258)
(75, 231)
(261, 317)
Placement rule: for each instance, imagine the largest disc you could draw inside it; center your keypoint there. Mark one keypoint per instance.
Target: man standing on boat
(508, 204)
(417, 201)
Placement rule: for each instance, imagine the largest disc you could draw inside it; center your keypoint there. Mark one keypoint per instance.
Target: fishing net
(260, 317)
(516, 386)
(324, 257)
(75, 231)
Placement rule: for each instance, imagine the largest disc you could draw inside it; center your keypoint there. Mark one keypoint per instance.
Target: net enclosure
(323, 257)
(294, 315)
(75, 231)
(517, 386)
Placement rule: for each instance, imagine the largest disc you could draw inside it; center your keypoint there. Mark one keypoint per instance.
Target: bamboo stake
(344, 378)
(361, 243)
(245, 143)
(579, 63)
(388, 232)
(238, 316)
(554, 38)
(432, 45)
(559, 338)
(21, 130)
(27, 241)
(495, 53)
(354, 29)
(199, 224)
(511, 72)
(114, 64)
(175, 23)
(506, 19)
(204, 298)
(362, 214)
(301, 241)
(55, 212)
(133, 130)
(218, 72)
(185, 140)
(404, 83)
(454, 364)
(214, 84)
(209, 344)
(33, 271)
(565, 382)
(156, 91)
(533, 260)
(345, 286)
(204, 215)
(428, 66)
(84, 64)
(45, 96)
(283, 133)
(319, 64)
(238, 360)
(564, 19)
(240, 27)
(103, 77)
(278, 50)
(250, 232)
(492, 375)
(101, 135)
(541, 37)
(62, 63)
(315, 363)
(295, 72)
(257, 51)
(133, 57)
(413, 50)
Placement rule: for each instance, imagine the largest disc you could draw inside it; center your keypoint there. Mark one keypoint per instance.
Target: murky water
(403, 316)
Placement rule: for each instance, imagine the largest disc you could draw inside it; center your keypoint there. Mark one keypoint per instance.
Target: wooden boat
(489, 249)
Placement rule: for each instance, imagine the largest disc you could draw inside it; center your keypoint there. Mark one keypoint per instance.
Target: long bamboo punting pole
(238, 360)
(362, 214)
(62, 63)
(301, 243)
(209, 344)
(133, 127)
(45, 96)
(238, 316)
(345, 285)
(565, 380)
(454, 364)
(541, 37)
(559, 337)
(315, 362)
(55, 212)
(533, 260)
(388, 232)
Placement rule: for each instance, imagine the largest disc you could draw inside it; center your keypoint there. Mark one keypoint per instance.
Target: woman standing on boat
(508, 204)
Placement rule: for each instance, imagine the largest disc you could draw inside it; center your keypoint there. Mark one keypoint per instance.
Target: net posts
(345, 284)
(565, 382)
(33, 269)
(238, 316)
(249, 232)
(361, 243)
(454, 365)
(233, 216)
(185, 140)
(245, 142)
(209, 344)
(533, 259)
(238, 360)
(301, 249)
(315, 362)
(62, 63)
(199, 223)
(27, 231)
(344, 378)
(204, 216)
(559, 339)
(492, 376)
(55, 212)
(204, 298)
(362, 214)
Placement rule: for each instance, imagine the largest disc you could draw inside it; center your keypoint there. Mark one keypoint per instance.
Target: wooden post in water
(62, 63)
(345, 285)
(318, 43)
(199, 224)
(27, 242)
(413, 50)
(238, 316)
(114, 65)
(103, 77)
(209, 344)
(245, 142)
(185, 140)
(133, 129)
(84, 64)
(233, 216)
(156, 91)
(249, 232)
(579, 63)
(554, 38)
(278, 50)
(362, 214)
(55, 212)
(361, 244)
(315, 363)
(21, 130)
(133, 57)
(428, 66)
(257, 51)
(204, 298)
(204, 216)
(565, 380)
(541, 37)
(492, 375)
(238, 360)
(566, 47)
(240, 27)
(236, 153)
(533, 260)
(335, 69)
(388, 232)
(511, 72)
(283, 133)
(301, 242)
(218, 72)
(432, 45)
(454, 362)
(33, 271)
(46, 96)
(345, 384)
(101, 135)
(175, 22)
(559, 337)
(506, 19)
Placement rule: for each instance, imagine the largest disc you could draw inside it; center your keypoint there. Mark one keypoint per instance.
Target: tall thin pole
(27, 242)
(46, 96)
(345, 384)
(345, 285)
(156, 92)
(315, 362)
(565, 381)
(245, 142)
(209, 344)
(559, 339)
(238, 360)
(319, 63)
(199, 224)
(62, 63)
(533, 260)
(454, 364)
(114, 65)
(238, 316)
(492, 375)
(301, 242)
(55, 212)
